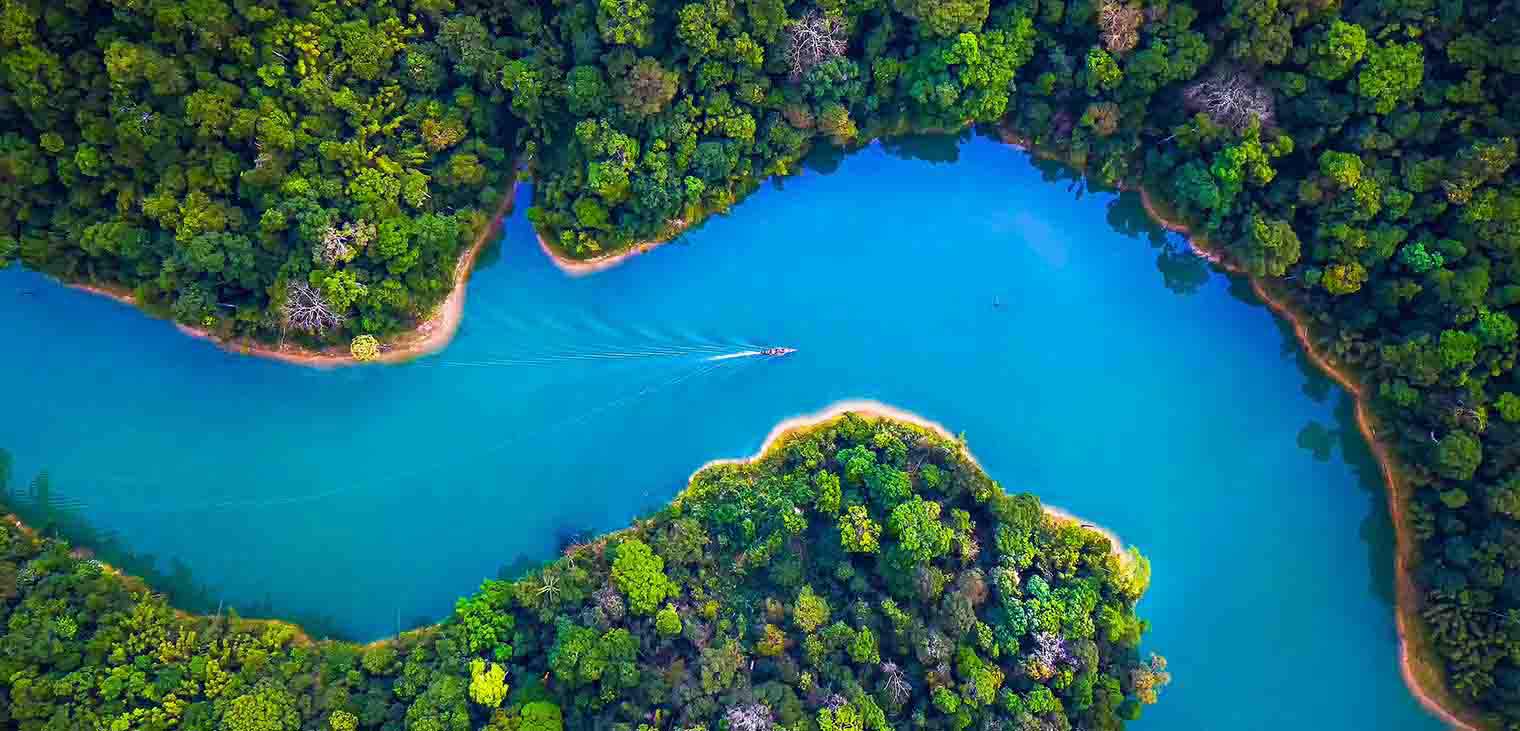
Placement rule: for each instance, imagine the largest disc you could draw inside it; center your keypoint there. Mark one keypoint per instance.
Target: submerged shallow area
(1088, 358)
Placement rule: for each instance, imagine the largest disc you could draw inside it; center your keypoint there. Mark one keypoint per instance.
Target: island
(862, 573)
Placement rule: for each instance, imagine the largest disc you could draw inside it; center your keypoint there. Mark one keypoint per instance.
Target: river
(1088, 357)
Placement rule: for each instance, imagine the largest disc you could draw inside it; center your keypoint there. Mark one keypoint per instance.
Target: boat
(778, 352)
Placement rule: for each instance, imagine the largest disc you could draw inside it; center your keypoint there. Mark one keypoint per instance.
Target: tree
(586, 91)
(1342, 168)
(1419, 259)
(944, 18)
(920, 534)
(1458, 455)
(625, 22)
(341, 720)
(810, 611)
(1119, 25)
(640, 575)
(1392, 74)
(1344, 278)
(668, 622)
(1338, 50)
(487, 683)
(1232, 99)
(1102, 72)
(1271, 247)
(812, 40)
(857, 532)
(695, 28)
(541, 716)
(1148, 679)
(1508, 405)
(307, 311)
(647, 88)
(364, 348)
(1495, 329)
(835, 121)
(266, 708)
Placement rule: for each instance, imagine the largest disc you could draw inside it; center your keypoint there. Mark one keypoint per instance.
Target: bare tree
(1050, 649)
(342, 243)
(895, 683)
(305, 310)
(753, 717)
(813, 39)
(1231, 98)
(1119, 25)
(610, 602)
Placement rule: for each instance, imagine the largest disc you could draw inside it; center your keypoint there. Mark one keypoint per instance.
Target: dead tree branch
(305, 310)
(1231, 99)
(812, 40)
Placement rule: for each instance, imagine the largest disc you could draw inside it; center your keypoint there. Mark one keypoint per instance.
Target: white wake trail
(741, 354)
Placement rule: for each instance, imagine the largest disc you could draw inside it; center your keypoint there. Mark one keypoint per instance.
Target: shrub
(364, 348)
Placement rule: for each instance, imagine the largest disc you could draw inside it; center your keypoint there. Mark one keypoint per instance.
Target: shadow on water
(1182, 271)
(1344, 437)
(54, 515)
(935, 148)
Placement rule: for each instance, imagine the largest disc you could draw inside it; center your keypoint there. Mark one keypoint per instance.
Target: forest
(310, 169)
(863, 574)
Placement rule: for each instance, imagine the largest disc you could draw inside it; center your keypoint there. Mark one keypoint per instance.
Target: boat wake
(740, 354)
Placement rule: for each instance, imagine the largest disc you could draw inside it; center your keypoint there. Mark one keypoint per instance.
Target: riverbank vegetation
(861, 574)
(311, 167)
(308, 171)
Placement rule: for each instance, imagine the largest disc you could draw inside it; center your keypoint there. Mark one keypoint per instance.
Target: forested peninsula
(312, 170)
(860, 574)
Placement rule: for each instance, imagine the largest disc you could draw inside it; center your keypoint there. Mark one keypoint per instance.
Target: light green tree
(364, 348)
(640, 575)
(668, 622)
(858, 532)
(811, 611)
(487, 683)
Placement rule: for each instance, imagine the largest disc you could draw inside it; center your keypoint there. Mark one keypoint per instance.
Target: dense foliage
(753, 602)
(302, 169)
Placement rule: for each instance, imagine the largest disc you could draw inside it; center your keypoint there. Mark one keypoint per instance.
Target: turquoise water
(1088, 359)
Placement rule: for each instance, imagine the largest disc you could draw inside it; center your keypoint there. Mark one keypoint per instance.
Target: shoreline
(873, 410)
(429, 336)
(876, 410)
(1416, 669)
(584, 267)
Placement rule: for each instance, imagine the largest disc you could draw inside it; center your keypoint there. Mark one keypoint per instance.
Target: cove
(1088, 357)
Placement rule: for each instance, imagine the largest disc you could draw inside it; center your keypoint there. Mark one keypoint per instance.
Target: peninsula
(861, 572)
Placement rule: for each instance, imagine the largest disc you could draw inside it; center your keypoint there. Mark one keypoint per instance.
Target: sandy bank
(1423, 674)
(583, 267)
(878, 410)
(429, 336)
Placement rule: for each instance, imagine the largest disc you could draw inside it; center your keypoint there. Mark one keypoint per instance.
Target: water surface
(1088, 359)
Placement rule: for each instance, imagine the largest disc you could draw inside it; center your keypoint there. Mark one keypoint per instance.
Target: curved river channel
(1088, 358)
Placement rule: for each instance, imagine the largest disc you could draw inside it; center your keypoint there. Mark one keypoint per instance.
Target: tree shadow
(55, 515)
(1376, 529)
(934, 148)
